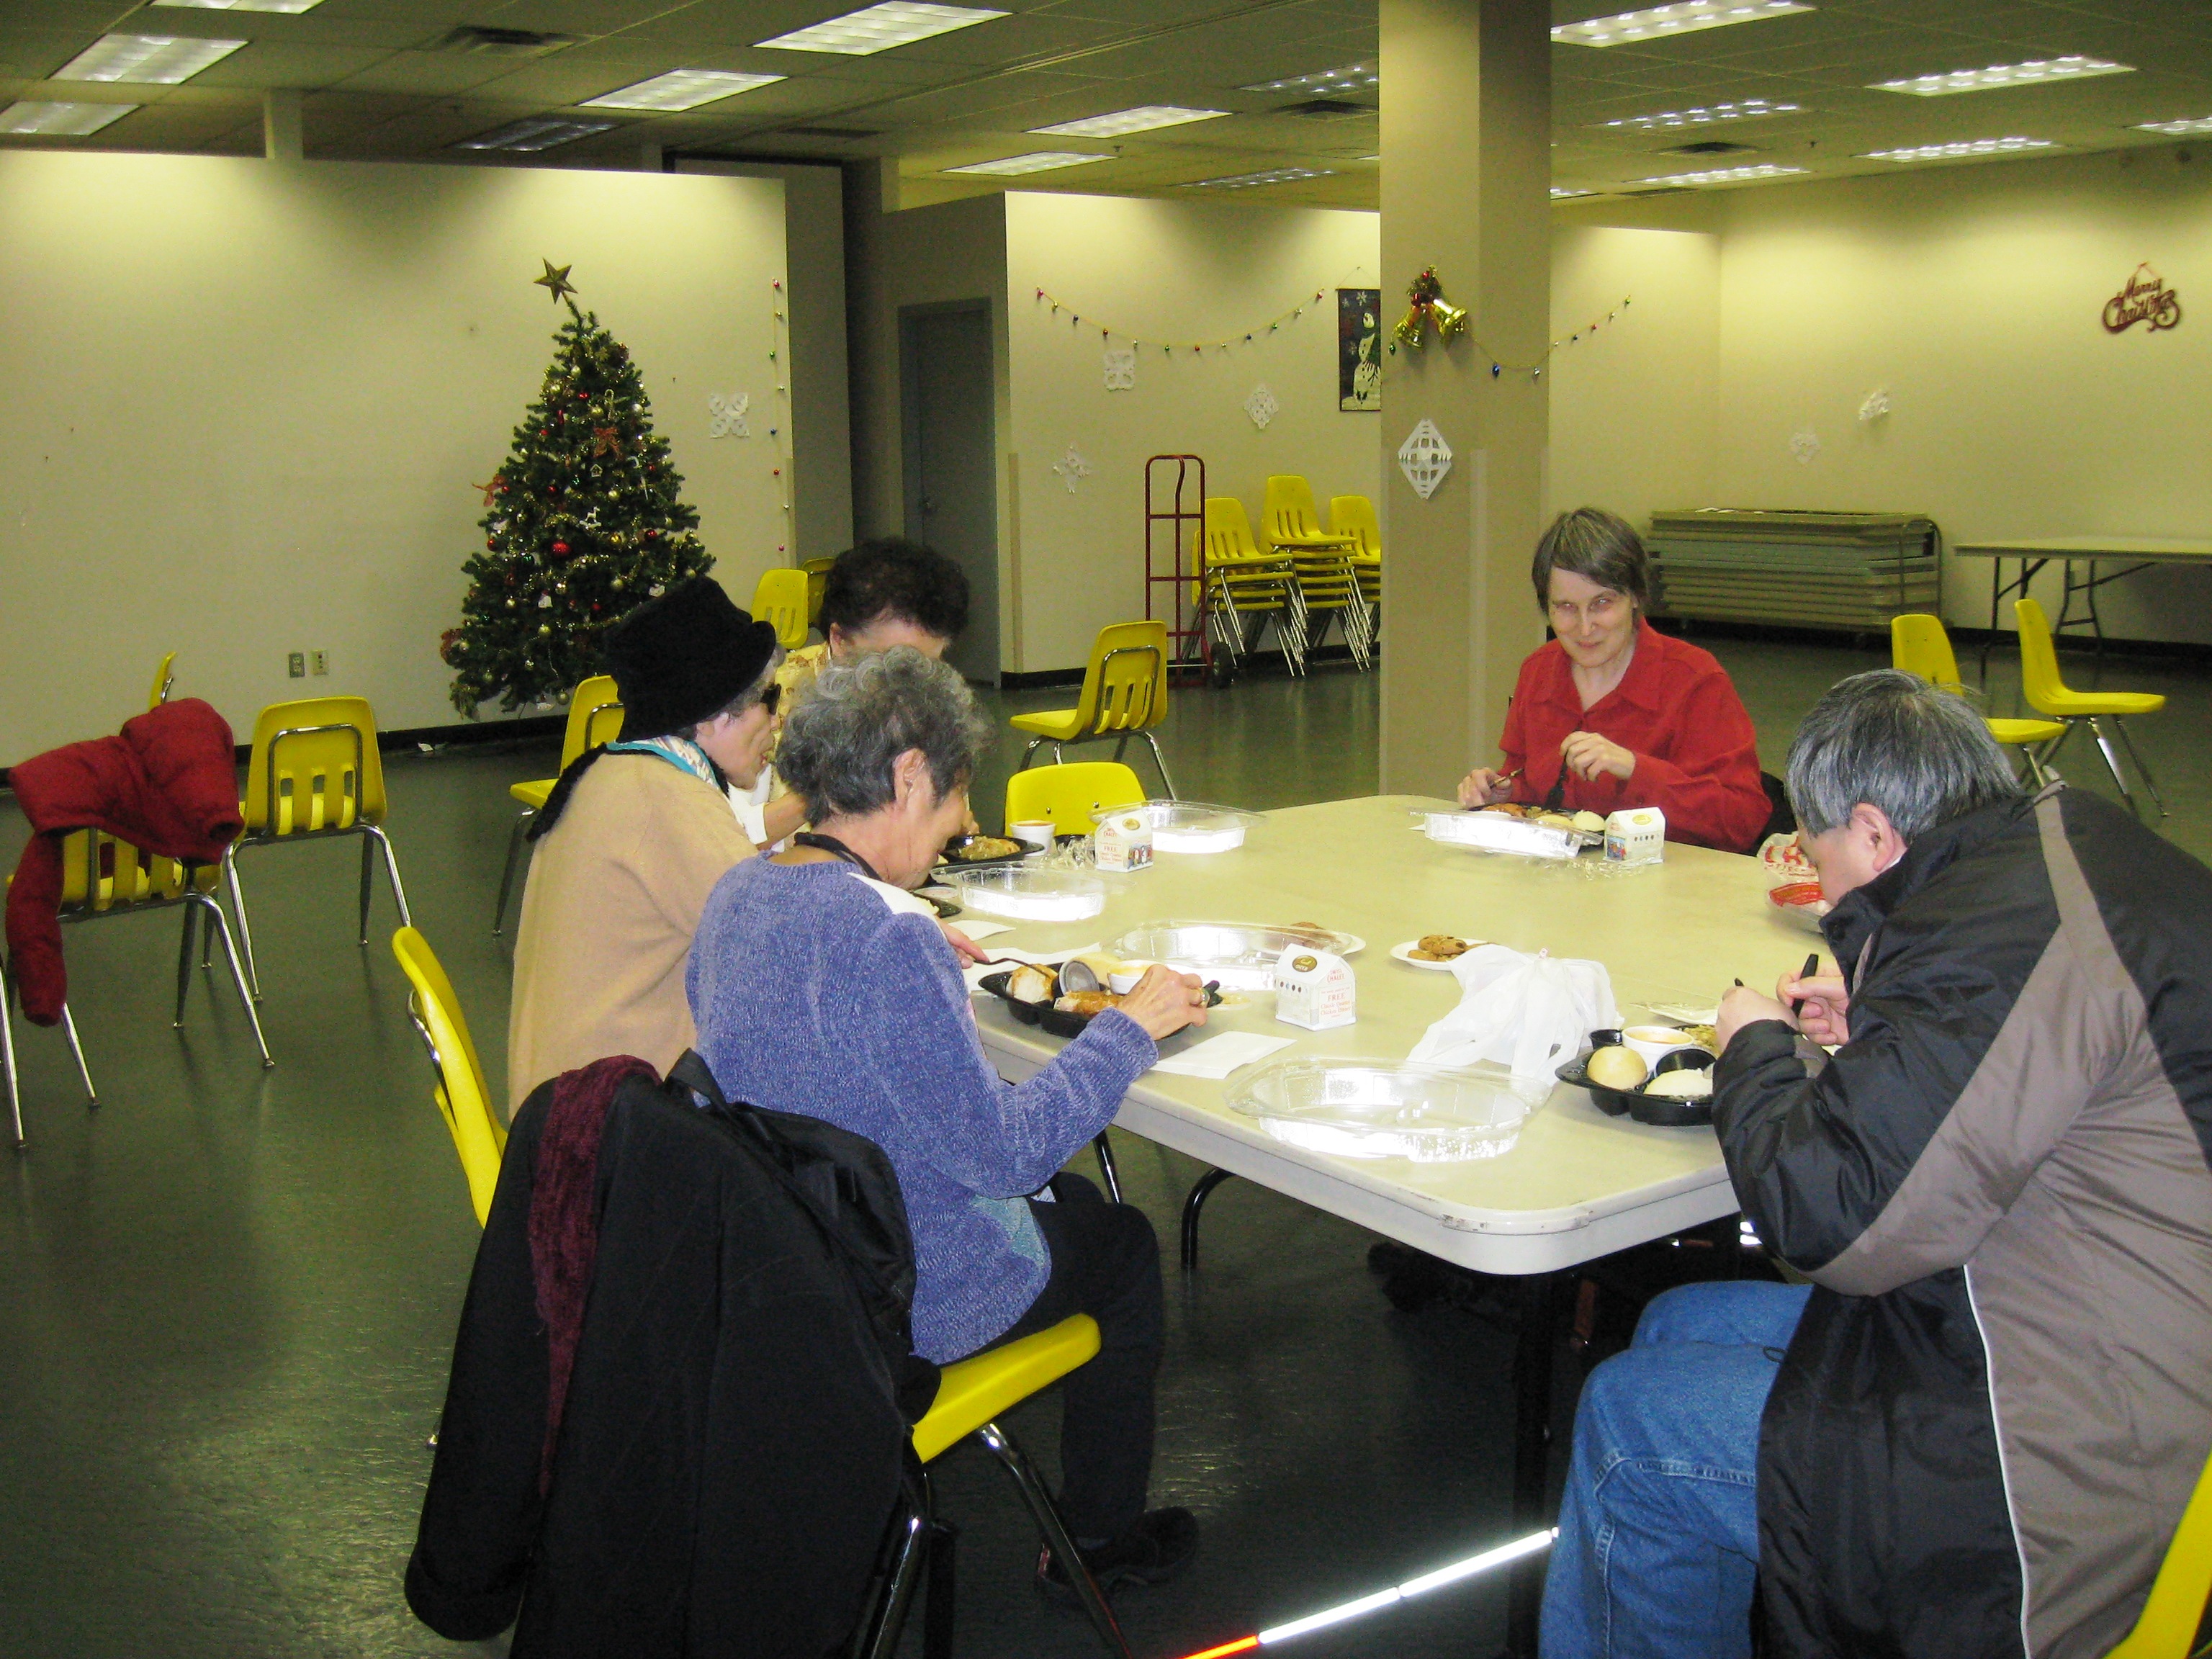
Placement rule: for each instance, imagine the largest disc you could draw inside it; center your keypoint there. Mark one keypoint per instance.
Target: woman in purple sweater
(819, 984)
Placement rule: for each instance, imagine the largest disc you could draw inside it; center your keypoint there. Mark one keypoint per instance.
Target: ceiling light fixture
(294, 6)
(1958, 150)
(538, 132)
(1273, 176)
(60, 120)
(880, 27)
(1703, 116)
(1142, 119)
(2032, 73)
(1353, 78)
(680, 89)
(161, 59)
(1037, 160)
(1659, 22)
(2189, 129)
(1561, 193)
(1723, 175)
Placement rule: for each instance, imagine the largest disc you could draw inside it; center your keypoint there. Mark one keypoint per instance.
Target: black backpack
(847, 1188)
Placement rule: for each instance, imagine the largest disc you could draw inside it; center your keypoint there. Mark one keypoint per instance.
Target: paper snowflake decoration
(1121, 368)
(1424, 458)
(1072, 466)
(1805, 446)
(1259, 404)
(726, 415)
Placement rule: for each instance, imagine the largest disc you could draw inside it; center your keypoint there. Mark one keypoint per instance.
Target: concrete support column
(1467, 116)
(280, 124)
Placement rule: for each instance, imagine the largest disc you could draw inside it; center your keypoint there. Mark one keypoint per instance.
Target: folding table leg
(1538, 1296)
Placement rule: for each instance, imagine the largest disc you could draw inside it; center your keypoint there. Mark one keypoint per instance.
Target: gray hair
(842, 742)
(1598, 546)
(744, 699)
(1893, 741)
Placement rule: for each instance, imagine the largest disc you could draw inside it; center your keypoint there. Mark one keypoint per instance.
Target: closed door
(951, 441)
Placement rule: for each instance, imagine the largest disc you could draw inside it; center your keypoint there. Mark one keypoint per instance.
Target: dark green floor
(229, 1294)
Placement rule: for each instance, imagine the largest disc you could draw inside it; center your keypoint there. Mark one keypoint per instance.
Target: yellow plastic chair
(104, 878)
(970, 1398)
(2048, 694)
(1920, 645)
(163, 679)
(817, 579)
(1125, 695)
(1069, 793)
(2168, 1626)
(463, 1099)
(314, 773)
(780, 598)
(595, 717)
(972, 1395)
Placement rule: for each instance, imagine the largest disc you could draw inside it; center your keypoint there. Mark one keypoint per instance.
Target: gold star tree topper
(555, 282)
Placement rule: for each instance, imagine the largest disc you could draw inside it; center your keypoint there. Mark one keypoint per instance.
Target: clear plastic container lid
(1241, 955)
(1029, 891)
(1354, 1107)
(1187, 826)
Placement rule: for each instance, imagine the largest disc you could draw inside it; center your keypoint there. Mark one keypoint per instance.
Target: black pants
(1105, 1262)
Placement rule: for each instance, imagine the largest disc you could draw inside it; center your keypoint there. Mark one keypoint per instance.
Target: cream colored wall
(1633, 405)
(242, 402)
(820, 377)
(1971, 294)
(1166, 271)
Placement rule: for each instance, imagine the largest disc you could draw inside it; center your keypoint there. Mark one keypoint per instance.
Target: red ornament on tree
(560, 549)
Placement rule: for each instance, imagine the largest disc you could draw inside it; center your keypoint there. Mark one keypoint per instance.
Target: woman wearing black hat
(634, 836)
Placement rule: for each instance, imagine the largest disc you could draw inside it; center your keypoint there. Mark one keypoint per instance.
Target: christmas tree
(583, 523)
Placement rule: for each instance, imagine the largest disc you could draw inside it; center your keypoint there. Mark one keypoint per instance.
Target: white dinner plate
(1405, 953)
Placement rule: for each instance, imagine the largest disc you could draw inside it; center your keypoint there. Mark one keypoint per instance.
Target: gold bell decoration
(1427, 293)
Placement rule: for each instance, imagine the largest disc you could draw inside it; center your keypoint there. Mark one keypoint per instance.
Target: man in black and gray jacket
(1990, 1414)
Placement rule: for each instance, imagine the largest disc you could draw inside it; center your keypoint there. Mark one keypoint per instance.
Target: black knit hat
(683, 657)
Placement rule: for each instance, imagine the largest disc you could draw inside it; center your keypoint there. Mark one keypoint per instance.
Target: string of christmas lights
(779, 357)
(1535, 371)
(1107, 334)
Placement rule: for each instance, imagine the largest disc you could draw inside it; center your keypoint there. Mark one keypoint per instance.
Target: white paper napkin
(1217, 1056)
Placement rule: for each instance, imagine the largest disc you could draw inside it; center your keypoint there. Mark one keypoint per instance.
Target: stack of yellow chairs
(1242, 588)
(1291, 526)
(971, 1395)
(1352, 517)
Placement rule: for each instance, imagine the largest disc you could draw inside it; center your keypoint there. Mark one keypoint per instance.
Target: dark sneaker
(1157, 1548)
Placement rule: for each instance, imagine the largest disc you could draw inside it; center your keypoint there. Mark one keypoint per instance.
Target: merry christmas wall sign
(2144, 299)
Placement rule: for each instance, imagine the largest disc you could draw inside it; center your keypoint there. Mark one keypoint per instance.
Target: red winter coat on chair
(168, 784)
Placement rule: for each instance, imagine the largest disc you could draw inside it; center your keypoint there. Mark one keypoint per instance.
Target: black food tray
(1647, 1109)
(1054, 1022)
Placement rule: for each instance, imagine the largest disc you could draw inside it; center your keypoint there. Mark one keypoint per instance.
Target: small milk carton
(1123, 841)
(1637, 836)
(1314, 988)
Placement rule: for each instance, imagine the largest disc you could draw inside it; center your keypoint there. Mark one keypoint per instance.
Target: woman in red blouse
(1634, 717)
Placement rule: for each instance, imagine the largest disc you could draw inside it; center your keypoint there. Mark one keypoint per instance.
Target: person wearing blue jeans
(1659, 1529)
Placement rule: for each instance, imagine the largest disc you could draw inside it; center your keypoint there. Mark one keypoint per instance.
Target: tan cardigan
(615, 894)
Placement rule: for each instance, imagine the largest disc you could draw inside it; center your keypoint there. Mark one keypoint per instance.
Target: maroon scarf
(564, 1222)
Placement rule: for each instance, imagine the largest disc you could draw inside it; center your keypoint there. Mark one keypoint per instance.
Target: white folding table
(1578, 1185)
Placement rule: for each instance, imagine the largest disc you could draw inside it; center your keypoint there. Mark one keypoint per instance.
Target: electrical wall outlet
(320, 662)
(296, 665)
